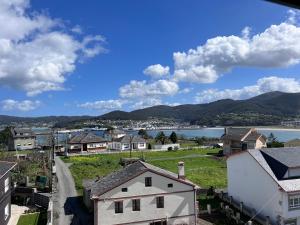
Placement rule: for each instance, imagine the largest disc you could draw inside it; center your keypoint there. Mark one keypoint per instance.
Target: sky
(89, 57)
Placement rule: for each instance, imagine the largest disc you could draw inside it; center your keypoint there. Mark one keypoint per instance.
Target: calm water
(281, 134)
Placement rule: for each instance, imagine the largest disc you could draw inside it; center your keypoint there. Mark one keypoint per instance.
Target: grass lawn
(33, 219)
(201, 169)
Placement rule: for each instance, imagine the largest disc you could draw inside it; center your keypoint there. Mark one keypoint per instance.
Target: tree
(143, 133)
(4, 136)
(173, 137)
(161, 137)
(271, 138)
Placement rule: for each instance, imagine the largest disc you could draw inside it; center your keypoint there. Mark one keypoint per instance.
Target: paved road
(67, 205)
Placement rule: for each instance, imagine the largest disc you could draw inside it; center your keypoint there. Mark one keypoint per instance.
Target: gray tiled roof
(84, 138)
(233, 133)
(288, 185)
(290, 157)
(19, 132)
(126, 139)
(119, 177)
(253, 136)
(115, 131)
(5, 167)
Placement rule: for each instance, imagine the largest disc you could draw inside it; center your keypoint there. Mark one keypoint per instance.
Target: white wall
(179, 201)
(248, 182)
(97, 145)
(166, 146)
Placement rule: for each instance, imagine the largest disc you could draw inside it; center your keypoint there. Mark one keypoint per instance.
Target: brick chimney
(181, 173)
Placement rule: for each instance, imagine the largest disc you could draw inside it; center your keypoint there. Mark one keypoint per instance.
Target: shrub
(170, 149)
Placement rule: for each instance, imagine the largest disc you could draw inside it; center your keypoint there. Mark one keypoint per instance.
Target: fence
(240, 208)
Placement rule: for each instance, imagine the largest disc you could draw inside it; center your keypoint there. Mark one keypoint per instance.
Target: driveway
(67, 205)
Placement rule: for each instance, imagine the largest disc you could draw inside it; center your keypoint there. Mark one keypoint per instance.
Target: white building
(86, 142)
(127, 141)
(267, 181)
(142, 194)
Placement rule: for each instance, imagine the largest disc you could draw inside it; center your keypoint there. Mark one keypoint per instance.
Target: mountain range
(263, 109)
(266, 109)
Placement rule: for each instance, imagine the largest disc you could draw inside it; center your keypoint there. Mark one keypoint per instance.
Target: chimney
(181, 173)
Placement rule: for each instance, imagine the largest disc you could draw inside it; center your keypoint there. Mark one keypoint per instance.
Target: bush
(170, 149)
(149, 146)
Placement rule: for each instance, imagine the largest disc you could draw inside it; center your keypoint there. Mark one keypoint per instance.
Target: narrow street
(67, 205)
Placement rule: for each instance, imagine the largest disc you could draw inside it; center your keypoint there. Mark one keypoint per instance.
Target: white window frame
(294, 202)
(6, 185)
(6, 212)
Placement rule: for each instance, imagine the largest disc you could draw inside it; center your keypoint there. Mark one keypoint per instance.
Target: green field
(204, 170)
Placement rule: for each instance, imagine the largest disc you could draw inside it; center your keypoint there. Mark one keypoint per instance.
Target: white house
(239, 139)
(86, 142)
(267, 181)
(142, 194)
(124, 143)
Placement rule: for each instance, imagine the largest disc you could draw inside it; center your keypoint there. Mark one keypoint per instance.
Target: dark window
(136, 205)
(119, 207)
(170, 185)
(124, 189)
(148, 181)
(160, 202)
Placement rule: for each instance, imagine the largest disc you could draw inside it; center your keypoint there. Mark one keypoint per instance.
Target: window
(294, 202)
(119, 207)
(6, 185)
(170, 185)
(136, 205)
(124, 189)
(6, 212)
(148, 181)
(160, 202)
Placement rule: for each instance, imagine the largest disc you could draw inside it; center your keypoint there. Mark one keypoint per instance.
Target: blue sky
(91, 57)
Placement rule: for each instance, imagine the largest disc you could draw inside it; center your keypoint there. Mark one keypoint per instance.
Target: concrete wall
(179, 202)
(248, 182)
(165, 147)
(24, 143)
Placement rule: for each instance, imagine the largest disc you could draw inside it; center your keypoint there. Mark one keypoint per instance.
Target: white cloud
(277, 46)
(13, 105)
(263, 85)
(142, 89)
(36, 55)
(157, 71)
(103, 105)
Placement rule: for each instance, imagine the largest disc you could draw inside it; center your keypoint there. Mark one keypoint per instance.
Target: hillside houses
(267, 181)
(239, 139)
(142, 194)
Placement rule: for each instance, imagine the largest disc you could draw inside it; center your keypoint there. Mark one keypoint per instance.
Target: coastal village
(148, 112)
(124, 177)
